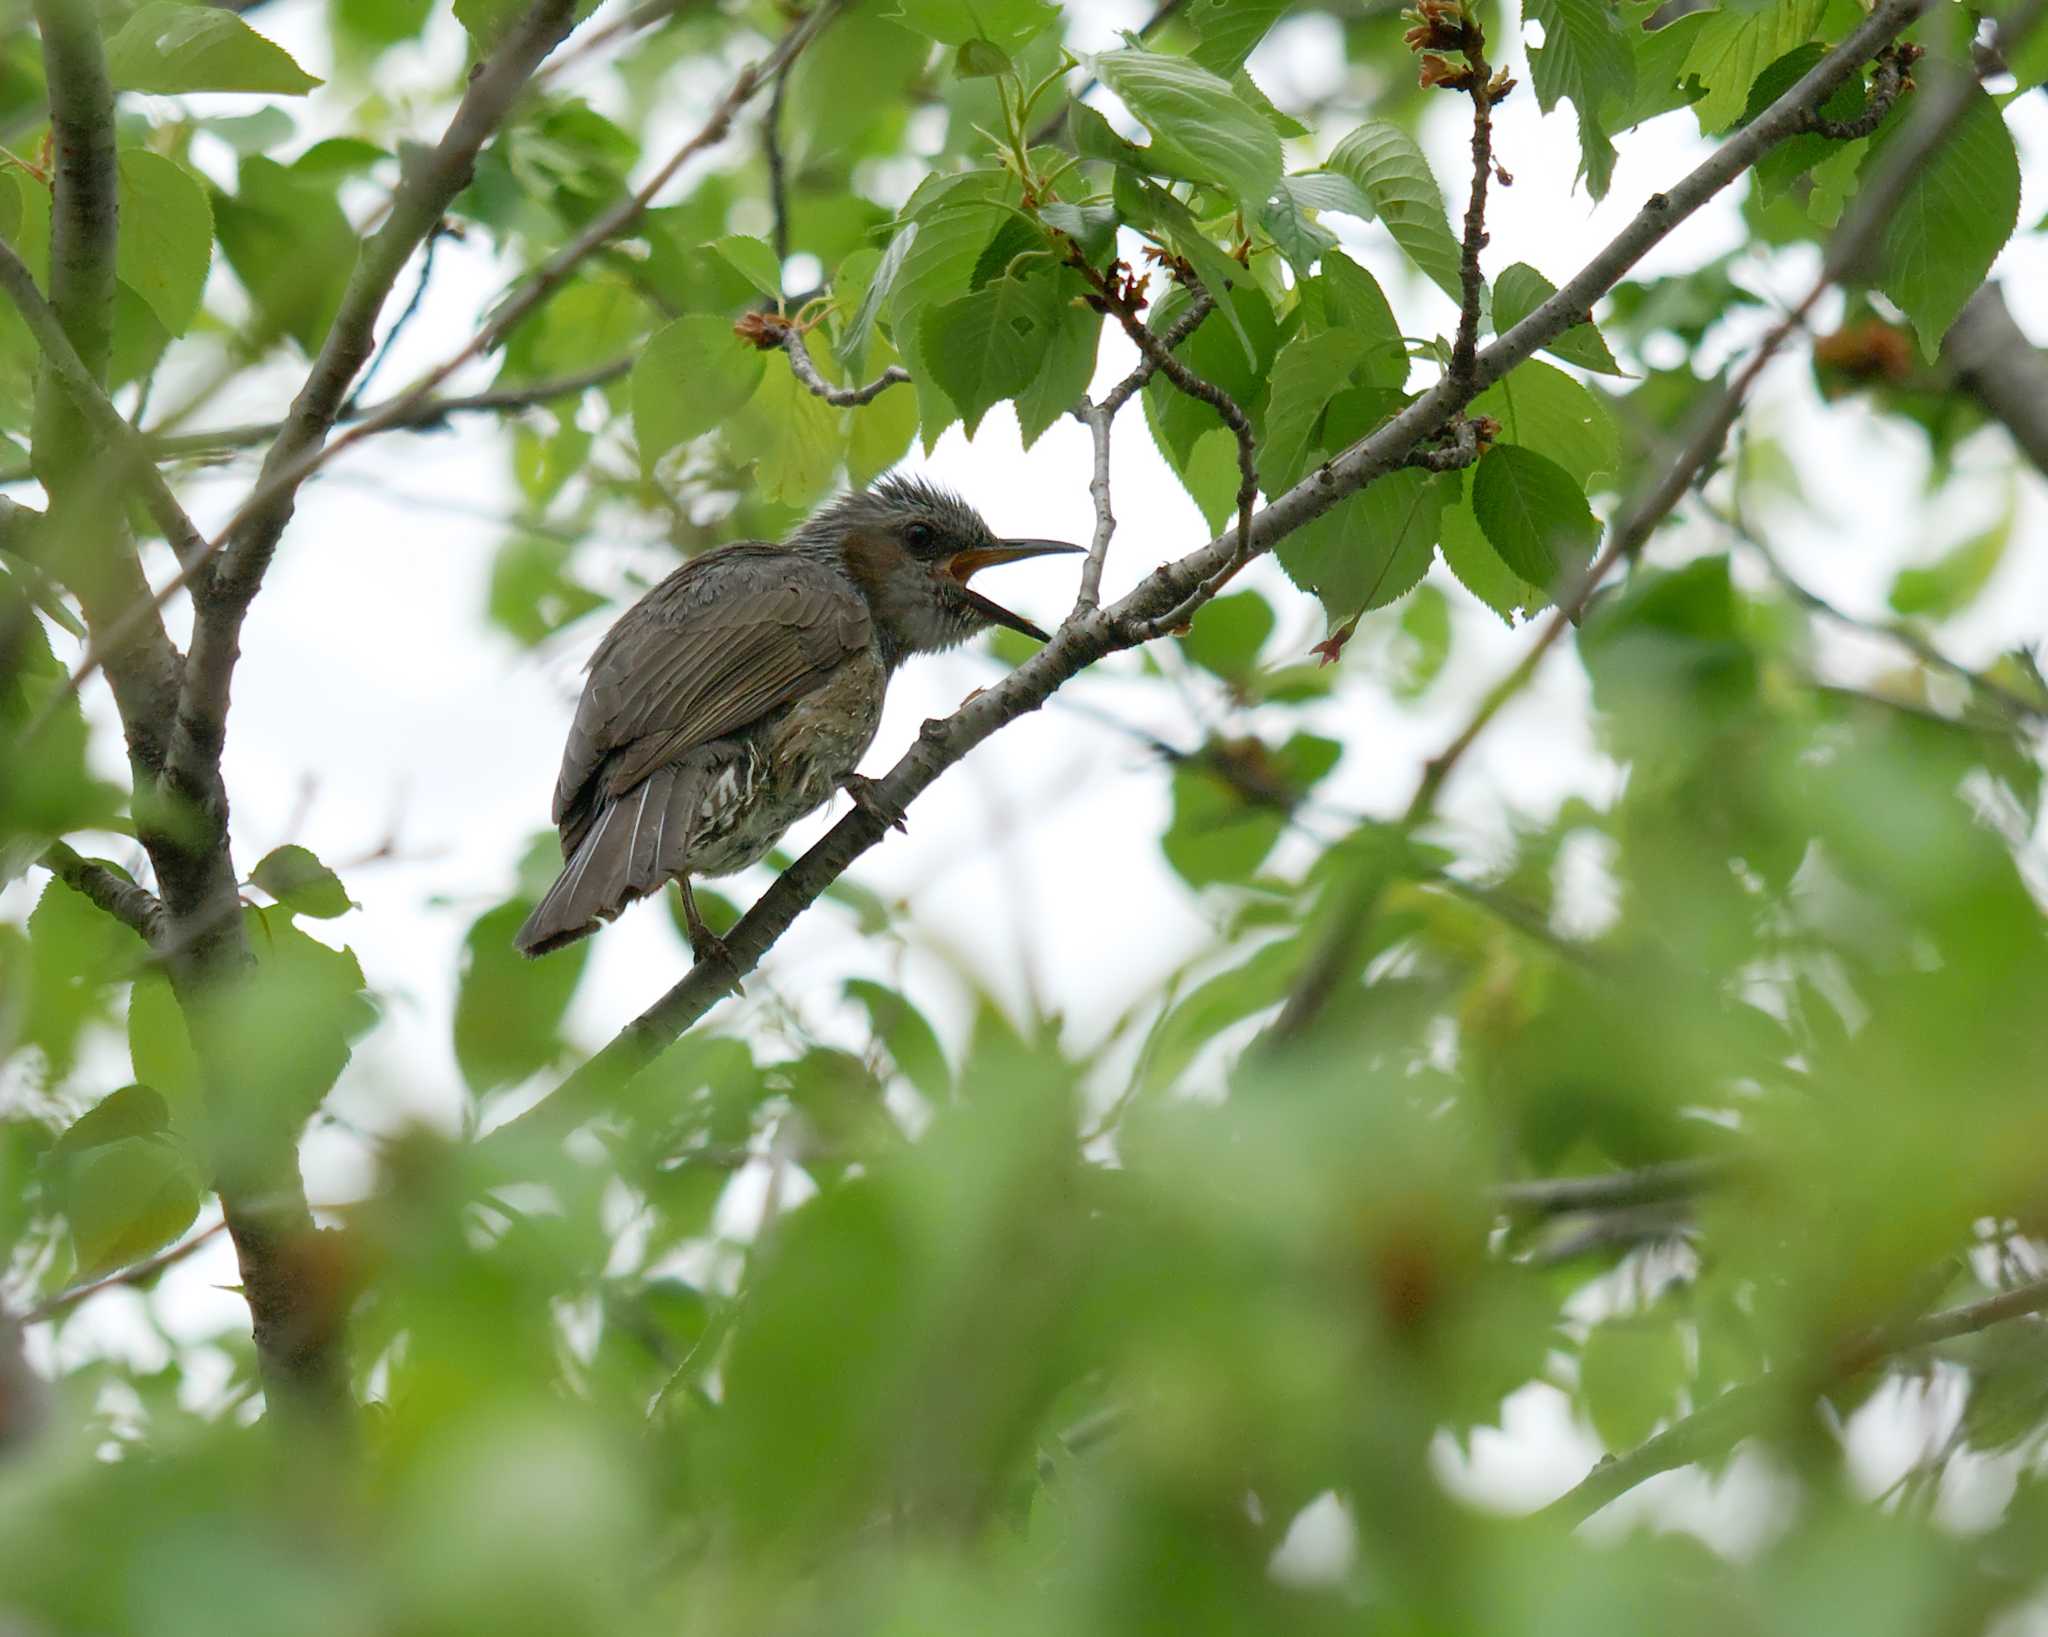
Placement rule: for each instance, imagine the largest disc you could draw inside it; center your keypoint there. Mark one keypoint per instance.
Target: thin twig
(778, 179)
(1886, 86)
(791, 340)
(1613, 1190)
(398, 324)
(140, 1273)
(1097, 417)
(1725, 1422)
(134, 907)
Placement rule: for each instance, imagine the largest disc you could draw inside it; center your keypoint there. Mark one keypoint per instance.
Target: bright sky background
(373, 704)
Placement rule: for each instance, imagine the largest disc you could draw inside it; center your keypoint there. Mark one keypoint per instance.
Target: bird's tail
(636, 843)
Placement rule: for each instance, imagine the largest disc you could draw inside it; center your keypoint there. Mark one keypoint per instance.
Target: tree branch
(791, 340)
(133, 906)
(75, 334)
(1724, 1423)
(2004, 371)
(1651, 1184)
(1087, 636)
(139, 1273)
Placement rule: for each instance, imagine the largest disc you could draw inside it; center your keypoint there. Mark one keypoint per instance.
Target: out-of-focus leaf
(1630, 1374)
(170, 49)
(911, 1042)
(1951, 218)
(509, 1009)
(1227, 634)
(1956, 579)
(693, 375)
(1230, 30)
(755, 258)
(284, 234)
(301, 883)
(1009, 23)
(166, 239)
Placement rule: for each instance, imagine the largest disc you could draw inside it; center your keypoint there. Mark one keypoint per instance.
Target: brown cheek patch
(873, 558)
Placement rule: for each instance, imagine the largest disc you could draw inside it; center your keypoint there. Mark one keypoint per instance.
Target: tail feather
(630, 849)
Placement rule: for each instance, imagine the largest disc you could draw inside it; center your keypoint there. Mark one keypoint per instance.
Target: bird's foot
(867, 796)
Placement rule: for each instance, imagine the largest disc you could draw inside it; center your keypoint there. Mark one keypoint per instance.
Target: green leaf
(78, 955)
(1469, 555)
(487, 21)
(284, 234)
(301, 883)
(949, 222)
(1201, 130)
(1519, 290)
(692, 376)
(126, 1198)
(793, 437)
(1631, 1372)
(1540, 407)
(853, 340)
(1228, 633)
(532, 595)
(1370, 548)
(754, 258)
(880, 433)
(169, 49)
(284, 1035)
(1215, 353)
(160, 1048)
(1735, 45)
(1067, 369)
(166, 242)
(911, 1042)
(980, 59)
(132, 1111)
(1352, 300)
(1310, 371)
(1092, 227)
(1330, 190)
(1009, 23)
(1426, 624)
(1585, 59)
(1230, 30)
(1956, 579)
(1289, 223)
(1388, 168)
(508, 1009)
(1534, 513)
(1952, 217)
(989, 345)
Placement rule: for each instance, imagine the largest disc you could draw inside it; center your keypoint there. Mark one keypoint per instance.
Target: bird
(740, 693)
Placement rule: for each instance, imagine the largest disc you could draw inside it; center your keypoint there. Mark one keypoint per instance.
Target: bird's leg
(867, 796)
(705, 944)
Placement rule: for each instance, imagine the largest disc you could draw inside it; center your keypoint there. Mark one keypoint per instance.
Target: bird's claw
(867, 796)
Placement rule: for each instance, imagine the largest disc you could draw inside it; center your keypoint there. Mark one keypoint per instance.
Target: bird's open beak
(963, 564)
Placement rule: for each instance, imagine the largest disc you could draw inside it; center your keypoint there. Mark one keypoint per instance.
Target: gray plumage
(739, 693)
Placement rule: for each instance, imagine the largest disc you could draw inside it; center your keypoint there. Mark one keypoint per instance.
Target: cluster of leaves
(861, 1324)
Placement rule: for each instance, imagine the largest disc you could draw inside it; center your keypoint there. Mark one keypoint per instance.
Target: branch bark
(87, 532)
(1087, 636)
(133, 906)
(2003, 370)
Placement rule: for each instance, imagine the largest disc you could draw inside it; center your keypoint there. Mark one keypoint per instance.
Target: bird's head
(912, 548)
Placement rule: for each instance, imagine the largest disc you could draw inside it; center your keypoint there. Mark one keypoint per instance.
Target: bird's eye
(918, 536)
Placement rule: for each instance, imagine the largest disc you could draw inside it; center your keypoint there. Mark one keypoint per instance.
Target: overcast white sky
(373, 701)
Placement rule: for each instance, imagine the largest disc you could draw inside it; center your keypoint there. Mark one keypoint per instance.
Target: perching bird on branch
(740, 692)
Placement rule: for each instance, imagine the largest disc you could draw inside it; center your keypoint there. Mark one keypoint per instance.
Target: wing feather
(726, 639)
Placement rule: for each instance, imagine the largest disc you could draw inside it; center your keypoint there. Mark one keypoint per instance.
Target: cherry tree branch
(791, 340)
(134, 907)
(1088, 635)
(1722, 1424)
(2003, 370)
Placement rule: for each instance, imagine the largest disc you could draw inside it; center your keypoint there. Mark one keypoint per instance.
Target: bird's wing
(721, 642)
